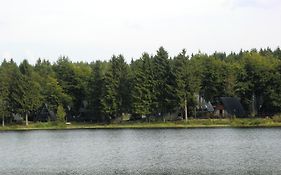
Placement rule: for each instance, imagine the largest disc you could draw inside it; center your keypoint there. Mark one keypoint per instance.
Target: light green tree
(61, 114)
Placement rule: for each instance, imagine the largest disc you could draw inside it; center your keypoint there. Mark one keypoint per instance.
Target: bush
(277, 118)
(61, 114)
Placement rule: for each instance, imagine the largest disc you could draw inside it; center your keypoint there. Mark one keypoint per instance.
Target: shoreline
(190, 124)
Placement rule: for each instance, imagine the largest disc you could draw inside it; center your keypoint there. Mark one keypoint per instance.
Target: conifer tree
(164, 81)
(142, 94)
(96, 90)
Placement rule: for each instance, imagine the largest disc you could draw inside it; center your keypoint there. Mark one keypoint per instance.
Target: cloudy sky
(88, 30)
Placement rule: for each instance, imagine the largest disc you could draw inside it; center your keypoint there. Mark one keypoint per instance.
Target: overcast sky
(87, 30)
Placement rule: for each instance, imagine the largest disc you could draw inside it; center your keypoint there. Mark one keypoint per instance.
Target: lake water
(141, 151)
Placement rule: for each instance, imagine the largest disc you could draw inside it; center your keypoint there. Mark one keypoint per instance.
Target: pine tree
(4, 92)
(30, 90)
(142, 86)
(120, 72)
(187, 82)
(164, 82)
(95, 91)
(109, 97)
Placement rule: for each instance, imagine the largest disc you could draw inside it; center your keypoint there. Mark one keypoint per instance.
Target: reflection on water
(143, 151)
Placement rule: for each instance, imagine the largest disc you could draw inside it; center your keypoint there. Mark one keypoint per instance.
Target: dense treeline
(151, 85)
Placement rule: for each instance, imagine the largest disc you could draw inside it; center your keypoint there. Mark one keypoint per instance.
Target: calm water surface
(144, 151)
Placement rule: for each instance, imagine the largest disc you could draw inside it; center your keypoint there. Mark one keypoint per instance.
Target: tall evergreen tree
(187, 83)
(30, 95)
(96, 90)
(142, 91)
(109, 99)
(164, 81)
(116, 96)
(14, 78)
(4, 91)
(120, 72)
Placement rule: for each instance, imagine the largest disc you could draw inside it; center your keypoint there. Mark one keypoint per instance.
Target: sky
(89, 30)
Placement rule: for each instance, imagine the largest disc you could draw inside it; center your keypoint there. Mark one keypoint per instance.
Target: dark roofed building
(45, 114)
(229, 107)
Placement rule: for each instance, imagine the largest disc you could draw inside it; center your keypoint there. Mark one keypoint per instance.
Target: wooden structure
(229, 107)
(45, 115)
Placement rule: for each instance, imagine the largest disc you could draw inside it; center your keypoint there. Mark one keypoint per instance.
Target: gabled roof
(45, 114)
(233, 106)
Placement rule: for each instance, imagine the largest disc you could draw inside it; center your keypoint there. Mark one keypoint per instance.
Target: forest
(151, 85)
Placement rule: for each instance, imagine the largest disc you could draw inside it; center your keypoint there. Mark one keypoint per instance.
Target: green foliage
(30, 89)
(73, 79)
(109, 96)
(164, 83)
(187, 80)
(95, 90)
(277, 118)
(116, 94)
(4, 92)
(60, 114)
(142, 91)
(12, 86)
(151, 85)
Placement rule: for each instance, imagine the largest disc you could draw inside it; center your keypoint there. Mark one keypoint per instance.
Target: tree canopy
(151, 85)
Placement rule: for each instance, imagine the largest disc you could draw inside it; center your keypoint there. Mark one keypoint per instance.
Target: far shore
(191, 123)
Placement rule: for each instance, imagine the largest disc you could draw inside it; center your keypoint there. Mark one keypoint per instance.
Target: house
(85, 114)
(45, 114)
(204, 108)
(16, 117)
(228, 107)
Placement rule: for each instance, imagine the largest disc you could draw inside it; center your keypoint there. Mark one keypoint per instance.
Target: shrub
(61, 114)
(277, 118)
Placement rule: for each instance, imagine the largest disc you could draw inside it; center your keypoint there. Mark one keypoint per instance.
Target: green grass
(191, 123)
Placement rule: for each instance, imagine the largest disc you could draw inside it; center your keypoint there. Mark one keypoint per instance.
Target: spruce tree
(95, 91)
(164, 82)
(142, 94)
(109, 100)
(187, 82)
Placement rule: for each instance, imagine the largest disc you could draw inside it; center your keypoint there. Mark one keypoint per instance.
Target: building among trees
(45, 114)
(228, 107)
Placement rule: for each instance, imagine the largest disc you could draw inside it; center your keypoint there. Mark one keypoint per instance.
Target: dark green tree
(73, 78)
(116, 91)
(109, 98)
(96, 91)
(4, 91)
(164, 82)
(30, 99)
(142, 90)
(187, 82)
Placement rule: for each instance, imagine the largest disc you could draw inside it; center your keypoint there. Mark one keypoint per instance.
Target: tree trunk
(26, 119)
(3, 120)
(185, 110)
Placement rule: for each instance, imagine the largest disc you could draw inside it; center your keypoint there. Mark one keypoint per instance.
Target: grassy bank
(192, 123)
